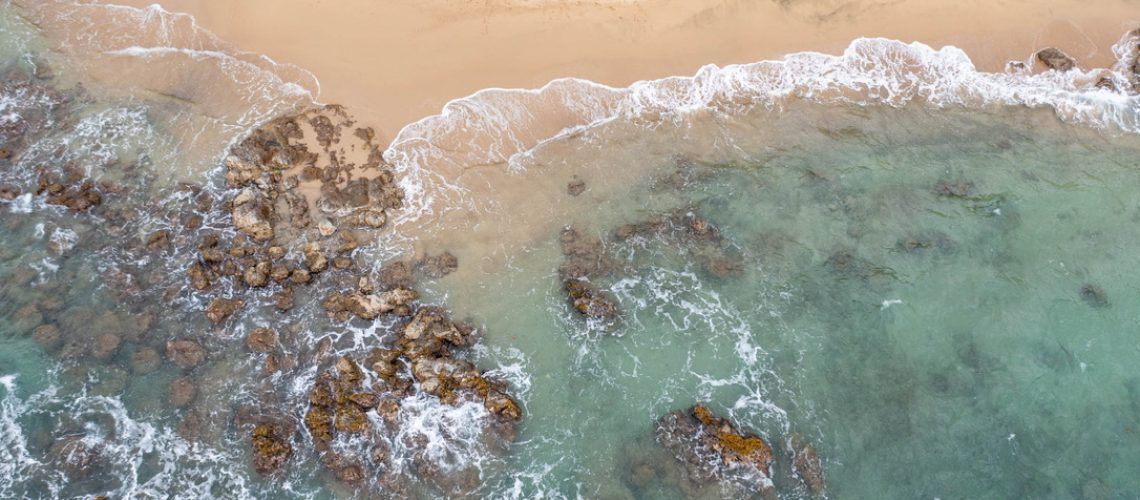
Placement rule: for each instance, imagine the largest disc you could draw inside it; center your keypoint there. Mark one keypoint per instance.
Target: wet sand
(396, 61)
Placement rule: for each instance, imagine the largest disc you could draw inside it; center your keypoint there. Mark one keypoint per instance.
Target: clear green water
(971, 370)
(963, 364)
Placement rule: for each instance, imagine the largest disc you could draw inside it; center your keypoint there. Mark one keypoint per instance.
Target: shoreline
(355, 47)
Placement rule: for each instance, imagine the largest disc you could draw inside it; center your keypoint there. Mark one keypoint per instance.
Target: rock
(438, 266)
(696, 434)
(807, 465)
(252, 216)
(275, 252)
(503, 406)
(198, 277)
(299, 276)
(954, 189)
(283, 300)
(576, 187)
(145, 360)
(351, 474)
(182, 391)
(271, 447)
(219, 309)
(1055, 59)
(158, 240)
(395, 274)
(589, 300)
(106, 345)
(48, 337)
(262, 340)
(1094, 295)
(256, 276)
(314, 258)
(185, 354)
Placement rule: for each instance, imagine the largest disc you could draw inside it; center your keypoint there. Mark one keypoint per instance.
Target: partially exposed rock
(251, 215)
(1055, 59)
(262, 340)
(712, 448)
(219, 309)
(588, 299)
(807, 464)
(271, 446)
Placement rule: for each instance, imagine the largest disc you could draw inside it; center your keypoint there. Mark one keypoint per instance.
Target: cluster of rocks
(1128, 67)
(278, 244)
(710, 448)
(585, 260)
(419, 362)
(694, 233)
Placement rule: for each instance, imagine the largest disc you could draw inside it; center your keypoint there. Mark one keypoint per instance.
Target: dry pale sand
(395, 61)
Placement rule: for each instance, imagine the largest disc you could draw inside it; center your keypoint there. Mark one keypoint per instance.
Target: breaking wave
(496, 126)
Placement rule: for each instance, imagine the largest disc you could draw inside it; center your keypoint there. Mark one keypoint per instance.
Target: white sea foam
(503, 125)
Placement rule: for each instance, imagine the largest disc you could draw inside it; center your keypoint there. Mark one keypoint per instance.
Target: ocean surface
(926, 272)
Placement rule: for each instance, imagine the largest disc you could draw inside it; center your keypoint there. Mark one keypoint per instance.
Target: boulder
(219, 309)
(1055, 59)
(251, 215)
(262, 340)
(271, 447)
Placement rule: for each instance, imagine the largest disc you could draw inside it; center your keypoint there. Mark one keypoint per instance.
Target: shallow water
(936, 296)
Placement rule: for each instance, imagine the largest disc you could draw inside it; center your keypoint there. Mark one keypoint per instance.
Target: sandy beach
(396, 61)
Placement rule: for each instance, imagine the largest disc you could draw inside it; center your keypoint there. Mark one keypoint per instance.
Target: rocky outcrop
(711, 448)
(584, 258)
(272, 446)
(419, 362)
(692, 234)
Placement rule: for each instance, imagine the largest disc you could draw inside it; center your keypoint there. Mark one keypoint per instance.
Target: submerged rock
(185, 354)
(48, 337)
(807, 464)
(438, 266)
(182, 391)
(954, 189)
(1094, 295)
(576, 187)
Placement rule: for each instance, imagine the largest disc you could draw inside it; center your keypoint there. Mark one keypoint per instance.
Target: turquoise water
(941, 301)
(950, 354)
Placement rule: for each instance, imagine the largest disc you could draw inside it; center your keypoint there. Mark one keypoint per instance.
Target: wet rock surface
(585, 258)
(1055, 59)
(711, 448)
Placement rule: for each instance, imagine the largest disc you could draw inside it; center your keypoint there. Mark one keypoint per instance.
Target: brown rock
(262, 340)
(807, 465)
(271, 447)
(219, 309)
(576, 187)
(1055, 59)
(145, 360)
(198, 277)
(48, 337)
(106, 345)
(185, 354)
